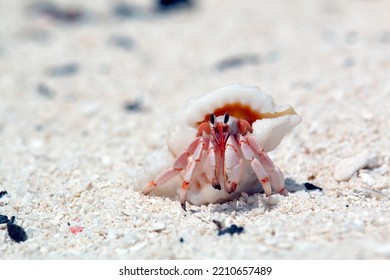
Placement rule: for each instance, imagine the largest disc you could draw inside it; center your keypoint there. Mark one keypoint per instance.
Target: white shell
(268, 131)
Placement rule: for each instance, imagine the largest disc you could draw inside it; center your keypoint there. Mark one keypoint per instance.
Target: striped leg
(212, 166)
(189, 171)
(275, 175)
(233, 165)
(179, 165)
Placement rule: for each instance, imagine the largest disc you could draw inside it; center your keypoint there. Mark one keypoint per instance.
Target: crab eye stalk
(226, 118)
(212, 119)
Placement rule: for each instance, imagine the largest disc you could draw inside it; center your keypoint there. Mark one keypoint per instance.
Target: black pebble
(167, 5)
(231, 230)
(64, 70)
(55, 12)
(2, 193)
(124, 10)
(311, 187)
(16, 232)
(133, 106)
(122, 41)
(3, 219)
(237, 61)
(39, 127)
(181, 240)
(45, 91)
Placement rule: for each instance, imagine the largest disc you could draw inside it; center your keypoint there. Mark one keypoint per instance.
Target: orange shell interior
(245, 112)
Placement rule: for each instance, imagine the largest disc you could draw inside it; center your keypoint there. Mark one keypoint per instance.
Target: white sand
(68, 149)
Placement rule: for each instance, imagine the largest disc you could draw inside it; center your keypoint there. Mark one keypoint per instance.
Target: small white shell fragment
(270, 123)
(348, 166)
(367, 179)
(127, 212)
(157, 226)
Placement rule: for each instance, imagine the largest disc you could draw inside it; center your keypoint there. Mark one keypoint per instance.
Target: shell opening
(245, 112)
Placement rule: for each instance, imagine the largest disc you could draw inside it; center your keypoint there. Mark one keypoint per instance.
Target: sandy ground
(87, 91)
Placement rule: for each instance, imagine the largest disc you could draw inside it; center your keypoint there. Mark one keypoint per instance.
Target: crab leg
(193, 161)
(277, 181)
(179, 164)
(186, 182)
(212, 166)
(233, 165)
(249, 153)
(274, 173)
(262, 175)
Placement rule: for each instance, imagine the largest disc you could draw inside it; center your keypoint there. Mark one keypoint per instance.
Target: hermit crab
(217, 148)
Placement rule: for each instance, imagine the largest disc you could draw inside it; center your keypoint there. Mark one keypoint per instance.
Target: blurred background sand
(88, 89)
